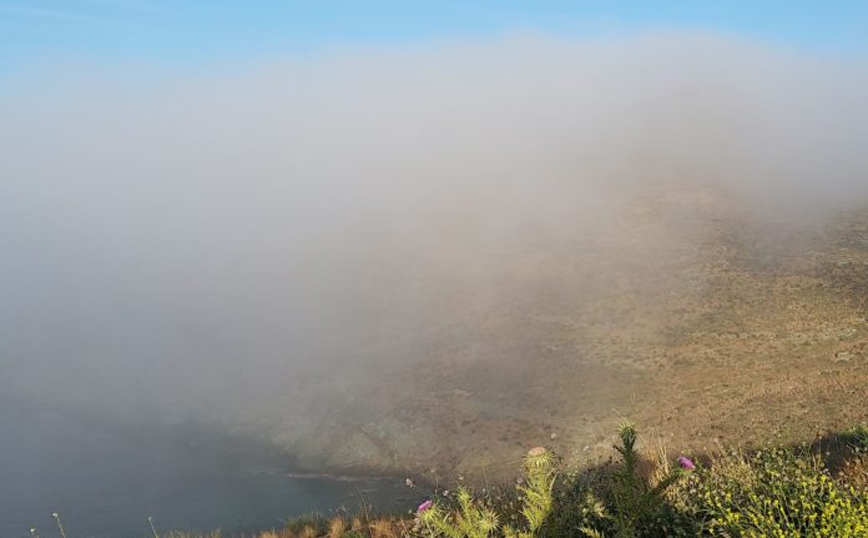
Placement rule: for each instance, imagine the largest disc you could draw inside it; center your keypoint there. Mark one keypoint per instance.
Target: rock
(846, 333)
(842, 356)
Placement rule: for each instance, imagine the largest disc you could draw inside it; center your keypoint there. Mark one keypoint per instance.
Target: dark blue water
(106, 481)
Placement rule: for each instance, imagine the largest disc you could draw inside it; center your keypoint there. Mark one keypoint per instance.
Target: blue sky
(213, 31)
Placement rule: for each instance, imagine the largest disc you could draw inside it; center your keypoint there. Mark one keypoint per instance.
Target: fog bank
(246, 243)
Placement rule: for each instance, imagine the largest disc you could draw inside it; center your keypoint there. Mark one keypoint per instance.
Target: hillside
(705, 319)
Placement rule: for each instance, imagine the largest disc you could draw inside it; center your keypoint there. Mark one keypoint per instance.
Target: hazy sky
(206, 31)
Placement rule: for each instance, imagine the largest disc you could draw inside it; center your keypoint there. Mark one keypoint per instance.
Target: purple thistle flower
(425, 506)
(686, 463)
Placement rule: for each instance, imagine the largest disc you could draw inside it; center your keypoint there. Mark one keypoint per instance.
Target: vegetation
(818, 490)
(478, 519)
(797, 491)
(775, 492)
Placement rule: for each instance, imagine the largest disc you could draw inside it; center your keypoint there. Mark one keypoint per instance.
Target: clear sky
(206, 31)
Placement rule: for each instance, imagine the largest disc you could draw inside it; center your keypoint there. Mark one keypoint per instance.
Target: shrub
(777, 493)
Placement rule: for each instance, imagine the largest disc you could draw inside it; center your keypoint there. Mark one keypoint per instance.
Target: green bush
(776, 493)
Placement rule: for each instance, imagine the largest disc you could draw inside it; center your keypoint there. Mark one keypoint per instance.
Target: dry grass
(337, 526)
(384, 528)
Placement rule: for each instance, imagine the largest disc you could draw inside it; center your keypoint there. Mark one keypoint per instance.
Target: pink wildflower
(425, 506)
(686, 463)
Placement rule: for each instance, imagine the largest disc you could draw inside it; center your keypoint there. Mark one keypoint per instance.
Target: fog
(249, 243)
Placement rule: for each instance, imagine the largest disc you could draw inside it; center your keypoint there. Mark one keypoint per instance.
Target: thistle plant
(470, 518)
(475, 518)
(637, 504)
(536, 491)
(635, 507)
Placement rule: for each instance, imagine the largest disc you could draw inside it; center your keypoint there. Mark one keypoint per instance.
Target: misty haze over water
(106, 479)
